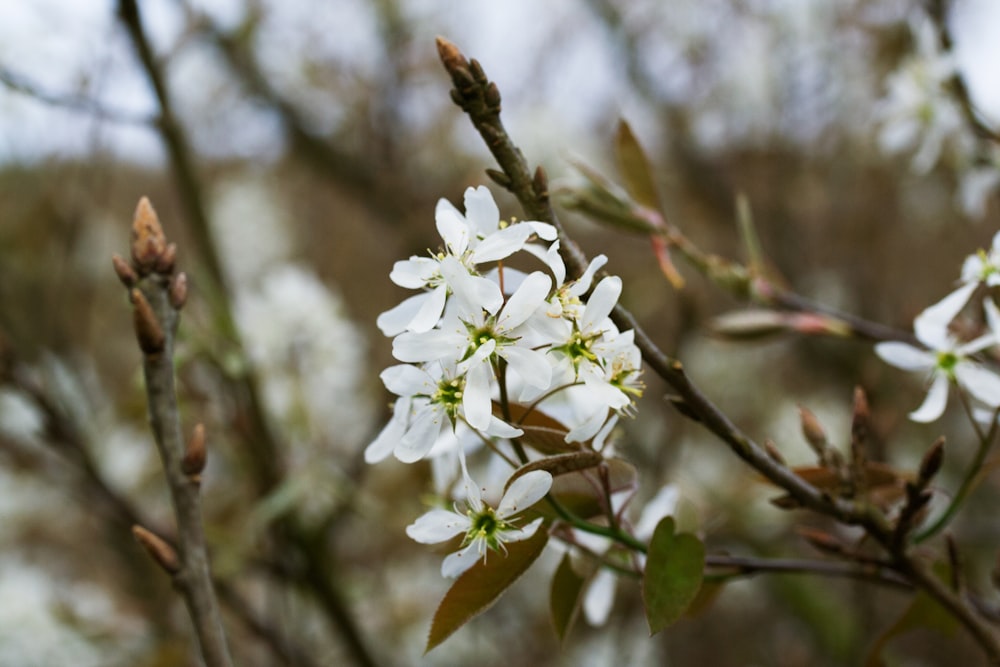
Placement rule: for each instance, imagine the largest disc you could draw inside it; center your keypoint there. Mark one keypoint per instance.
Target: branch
(156, 300)
(479, 98)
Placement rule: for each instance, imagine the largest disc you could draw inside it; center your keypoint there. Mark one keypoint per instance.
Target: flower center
(449, 395)
(947, 361)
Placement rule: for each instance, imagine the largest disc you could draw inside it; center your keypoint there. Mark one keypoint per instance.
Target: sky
(66, 47)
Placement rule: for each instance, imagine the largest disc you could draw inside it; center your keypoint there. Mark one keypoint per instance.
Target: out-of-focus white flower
(917, 111)
(984, 266)
(484, 528)
(309, 355)
(945, 359)
(974, 188)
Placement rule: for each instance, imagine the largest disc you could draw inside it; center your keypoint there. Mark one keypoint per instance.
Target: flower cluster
(481, 337)
(946, 358)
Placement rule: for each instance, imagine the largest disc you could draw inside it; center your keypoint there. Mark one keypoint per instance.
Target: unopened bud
(157, 548)
(752, 324)
(195, 453)
(931, 463)
(813, 432)
(500, 178)
(148, 331)
(492, 97)
(477, 72)
(540, 183)
(178, 290)
(822, 541)
(772, 451)
(165, 263)
(148, 240)
(124, 270)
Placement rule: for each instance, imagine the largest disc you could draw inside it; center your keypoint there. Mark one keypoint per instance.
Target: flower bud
(126, 274)
(931, 463)
(158, 549)
(148, 240)
(148, 331)
(195, 454)
(165, 262)
(178, 290)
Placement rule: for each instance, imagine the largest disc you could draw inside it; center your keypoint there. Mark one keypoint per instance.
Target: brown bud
(195, 453)
(178, 290)
(813, 432)
(492, 97)
(125, 272)
(540, 183)
(772, 451)
(824, 542)
(860, 418)
(500, 178)
(165, 263)
(451, 57)
(148, 331)
(750, 324)
(477, 72)
(148, 241)
(158, 548)
(931, 463)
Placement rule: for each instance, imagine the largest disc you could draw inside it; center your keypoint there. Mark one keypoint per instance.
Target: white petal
(933, 406)
(413, 272)
(501, 243)
(481, 211)
(663, 504)
(457, 563)
(981, 382)
(473, 291)
(583, 282)
(519, 534)
(545, 231)
(407, 380)
(525, 301)
(601, 302)
(421, 435)
(427, 345)
(599, 597)
(476, 397)
(383, 444)
(396, 320)
(905, 356)
(452, 227)
(532, 365)
(931, 325)
(588, 429)
(430, 310)
(524, 492)
(437, 526)
(501, 429)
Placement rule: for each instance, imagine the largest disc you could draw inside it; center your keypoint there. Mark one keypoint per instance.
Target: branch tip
(148, 240)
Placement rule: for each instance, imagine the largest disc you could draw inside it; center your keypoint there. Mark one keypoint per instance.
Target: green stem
(612, 533)
(968, 482)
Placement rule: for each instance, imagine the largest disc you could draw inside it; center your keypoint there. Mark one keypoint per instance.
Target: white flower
(984, 266)
(945, 358)
(472, 239)
(428, 405)
(484, 528)
(474, 339)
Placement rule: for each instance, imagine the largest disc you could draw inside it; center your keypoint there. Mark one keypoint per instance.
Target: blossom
(484, 527)
(472, 239)
(430, 402)
(945, 358)
(984, 266)
(474, 339)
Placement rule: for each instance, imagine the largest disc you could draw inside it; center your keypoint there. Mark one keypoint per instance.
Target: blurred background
(295, 149)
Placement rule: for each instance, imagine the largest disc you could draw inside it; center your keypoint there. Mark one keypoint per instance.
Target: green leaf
(476, 590)
(564, 600)
(674, 567)
(635, 168)
(923, 612)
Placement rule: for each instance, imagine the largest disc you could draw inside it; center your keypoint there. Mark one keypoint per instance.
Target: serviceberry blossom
(984, 266)
(477, 237)
(482, 337)
(484, 528)
(945, 359)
